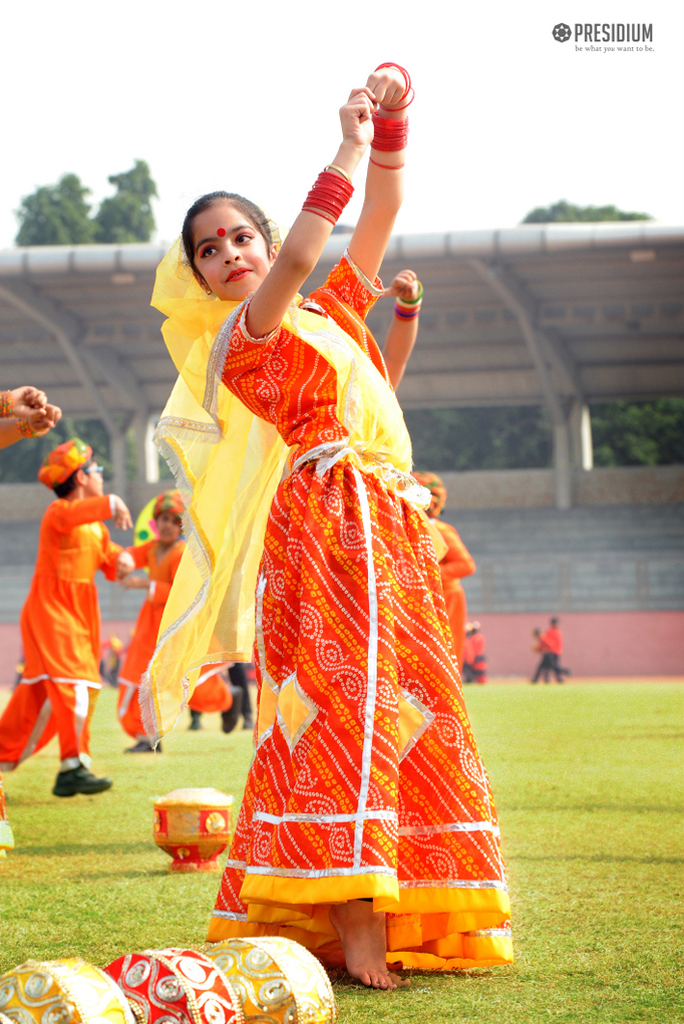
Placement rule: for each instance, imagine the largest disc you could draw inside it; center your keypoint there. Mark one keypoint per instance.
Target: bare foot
(362, 934)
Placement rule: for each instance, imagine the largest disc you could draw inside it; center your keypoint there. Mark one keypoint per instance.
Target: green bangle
(412, 302)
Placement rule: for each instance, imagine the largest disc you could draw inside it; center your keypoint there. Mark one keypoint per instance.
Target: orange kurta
(162, 571)
(456, 563)
(366, 781)
(60, 628)
(60, 622)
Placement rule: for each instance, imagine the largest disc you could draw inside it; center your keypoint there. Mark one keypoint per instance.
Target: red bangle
(390, 134)
(387, 167)
(329, 196)
(407, 77)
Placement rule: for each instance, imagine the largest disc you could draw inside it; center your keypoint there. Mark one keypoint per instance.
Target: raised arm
(385, 177)
(304, 244)
(401, 336)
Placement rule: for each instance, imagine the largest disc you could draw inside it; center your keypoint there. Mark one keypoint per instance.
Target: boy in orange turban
(454, 565)
(60, 622)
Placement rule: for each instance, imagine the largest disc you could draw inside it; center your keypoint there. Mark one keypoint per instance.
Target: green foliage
(56, 214)
(59, 215)
(643, 434)
(127, 216)
(565, 212)
(588, 787)
(20, 463)
(494, 437)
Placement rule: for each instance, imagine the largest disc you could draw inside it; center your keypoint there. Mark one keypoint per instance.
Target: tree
(639, 434)
(127, 216)
(565, 212)
(493, 437)
(56, 214)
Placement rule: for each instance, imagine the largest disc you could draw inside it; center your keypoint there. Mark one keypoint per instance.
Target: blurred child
(161, 557)
(455, 563)
(475, 660)
(60, 622)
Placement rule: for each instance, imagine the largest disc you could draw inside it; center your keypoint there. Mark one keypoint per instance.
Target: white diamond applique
(295, 712)
(414, 719)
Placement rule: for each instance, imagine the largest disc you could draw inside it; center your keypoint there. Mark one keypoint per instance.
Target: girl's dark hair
(248, 209)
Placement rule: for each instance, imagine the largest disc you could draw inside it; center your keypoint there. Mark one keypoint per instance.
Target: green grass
(588, 784)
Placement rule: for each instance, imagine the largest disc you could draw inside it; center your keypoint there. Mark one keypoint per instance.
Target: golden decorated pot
(277, 980)
(62, 992)
(193, 826)
(176, 986)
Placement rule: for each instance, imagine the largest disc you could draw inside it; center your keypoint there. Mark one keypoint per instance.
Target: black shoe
(79, 780)
(229, 718)
(195, 721)
(248, 724)
(142, 747)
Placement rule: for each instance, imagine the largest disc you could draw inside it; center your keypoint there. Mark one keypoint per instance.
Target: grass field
(588, 783)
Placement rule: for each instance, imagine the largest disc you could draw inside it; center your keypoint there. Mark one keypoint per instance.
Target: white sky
(244, 96)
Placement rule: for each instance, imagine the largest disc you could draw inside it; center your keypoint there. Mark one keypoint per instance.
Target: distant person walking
(474, 658)
(550, 646)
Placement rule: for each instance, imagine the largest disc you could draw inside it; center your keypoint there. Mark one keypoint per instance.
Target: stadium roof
(562, 314)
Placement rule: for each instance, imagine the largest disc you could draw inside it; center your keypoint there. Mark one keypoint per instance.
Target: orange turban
(169, 501)
(63, 461)
(436, 489)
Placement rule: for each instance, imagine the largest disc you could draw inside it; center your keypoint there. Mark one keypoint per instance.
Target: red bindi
(221, 232)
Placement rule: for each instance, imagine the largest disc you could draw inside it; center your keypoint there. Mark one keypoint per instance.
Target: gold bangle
(340, 170)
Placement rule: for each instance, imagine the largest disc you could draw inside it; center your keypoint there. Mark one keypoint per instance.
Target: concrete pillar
(562, 464)
(147, 459)
(581, 441)
(151, 453)
(117, 446)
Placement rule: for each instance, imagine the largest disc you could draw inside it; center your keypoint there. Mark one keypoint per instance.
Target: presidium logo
(597, 32)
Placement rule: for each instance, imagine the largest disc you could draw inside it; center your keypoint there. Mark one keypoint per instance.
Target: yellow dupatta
(227, 463)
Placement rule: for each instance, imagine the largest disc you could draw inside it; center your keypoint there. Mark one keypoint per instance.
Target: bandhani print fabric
(366, 781)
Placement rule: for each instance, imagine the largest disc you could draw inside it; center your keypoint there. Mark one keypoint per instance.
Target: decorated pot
(277, 980)
(62, 992)
(176, 986)
(193, 826)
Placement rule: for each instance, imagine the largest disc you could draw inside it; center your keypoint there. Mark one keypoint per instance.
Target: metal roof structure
(561, 314)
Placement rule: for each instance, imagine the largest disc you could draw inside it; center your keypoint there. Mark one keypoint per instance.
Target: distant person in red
(550, 646)
(474, 659)
(456, 563)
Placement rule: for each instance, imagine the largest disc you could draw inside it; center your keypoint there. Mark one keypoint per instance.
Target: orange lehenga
(366, 780)
(162, 572)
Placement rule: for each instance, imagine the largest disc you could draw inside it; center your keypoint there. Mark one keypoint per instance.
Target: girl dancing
(367, 829)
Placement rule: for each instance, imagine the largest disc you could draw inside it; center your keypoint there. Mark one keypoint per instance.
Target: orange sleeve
(110, 553)
(140, 553)
(65, 515)
(458, 561)
(349, 283)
